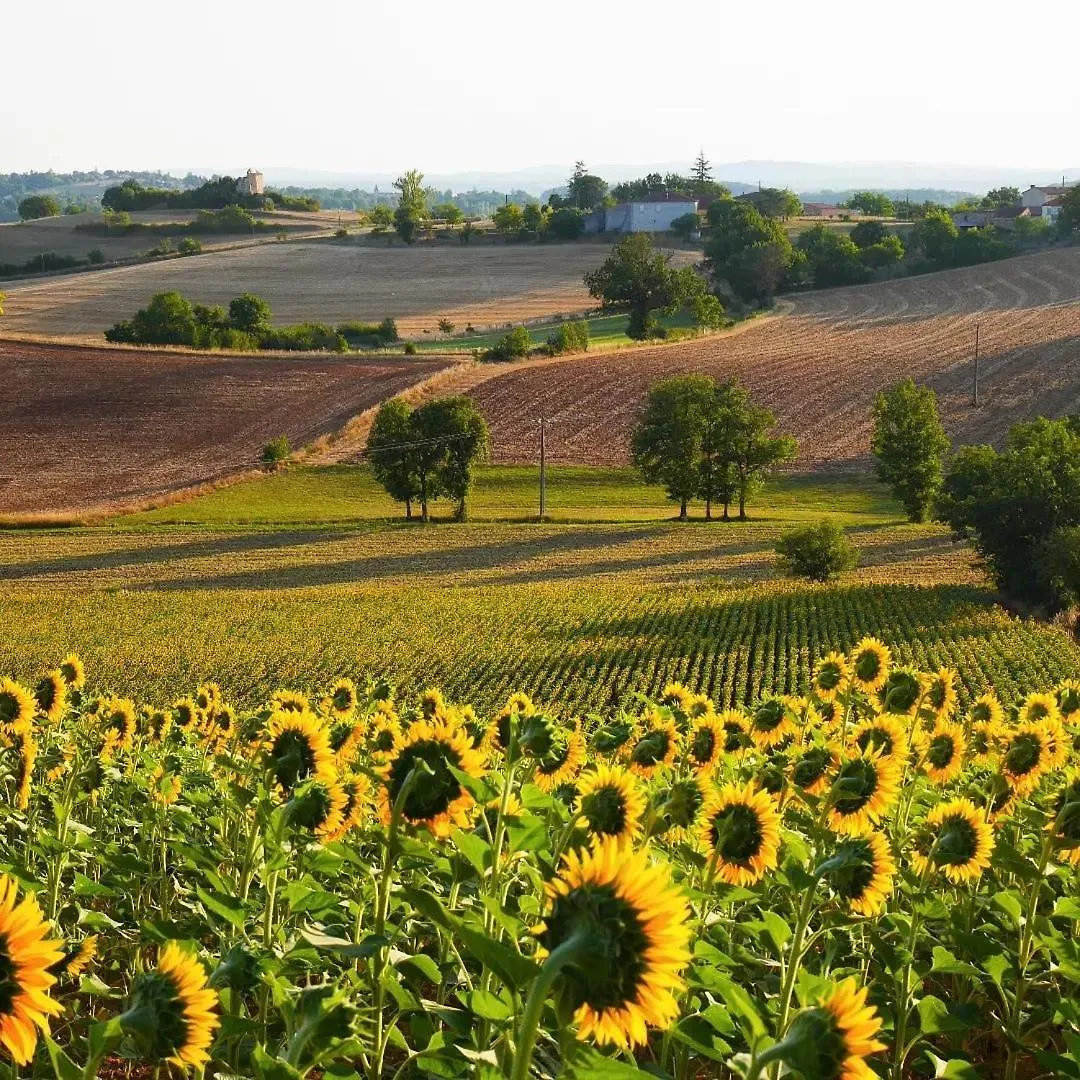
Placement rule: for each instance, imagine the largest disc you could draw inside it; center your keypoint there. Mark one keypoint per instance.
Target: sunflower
(810, 770)
(158, 723)
(437, 801)
(986, 709)
(357, 796)
(73, 671)
(346, 739)
(164, 786)
(740, 829)
(17, 706)
(636, 934)
(838, 1035)
(342, 700)
(1065, 824)
(77, 957)
(118, 716)
(956, 839)
(26, 955)
(986, 725)
(705, 743)
(171, 1010)
(1058, 742)
(652, 746)
(902, 691)
(996, 799)
(831, 675)
(611, 802)
(771, 723)
(676, 696)
(736, 727)
(296, 748)
(1025, 757)
(27, 747)
(385, 731)
(862, 791)
(678, 809)
(943, 752)
(186, 715)
(700, 705)
(884, 735)
(562, 763)
(941, 693)
(318, 806)
(1067, 695)
(860, 871)
(497, 737)
(1039, 708)
(289, 701)
(432, 704)
(51, 695)
(870, 661)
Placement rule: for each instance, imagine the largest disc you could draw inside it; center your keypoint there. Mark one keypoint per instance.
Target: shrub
(276, 452)
(162, 247)
(304, 337)
(410, 349)
(38, 206)
(818, 552)
(95, 257)
(570, 337)
(388, 331)
(341, 233)
(189, 246)
(566, 224)
(513, 345)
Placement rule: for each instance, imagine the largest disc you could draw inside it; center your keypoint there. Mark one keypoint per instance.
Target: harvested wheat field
(328, 282)
(86, 428)
(820, 367)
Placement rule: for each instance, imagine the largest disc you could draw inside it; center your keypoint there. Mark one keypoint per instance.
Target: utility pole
(543, 466)
(975, 399)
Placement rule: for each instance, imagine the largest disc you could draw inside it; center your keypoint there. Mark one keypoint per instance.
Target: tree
(779, 203)
(1000, 197)
(446, 327)
(586, 192)
(819, 552)
(38, 206)
(1069, 218)
(391, 455)
(685, 225)
(411, 211)
(169, 319)
(275, 453)
(910, 445)
(886, 253)
(638, 279)
(1017, 506)
(832, 257)
(448, 213)
(756, 451)
(749, 251)
(450, 436)
(873, 203)
(935, 236)
(868, 233)
(380, 216)
(666, 444)
(701, 171)
(719, 483)
(566, 223)
(534, 218)
(509, 219)
(249, 313)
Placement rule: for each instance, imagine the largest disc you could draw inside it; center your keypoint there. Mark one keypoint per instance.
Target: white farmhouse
(1036, 197)
(654, 213)
(252, 184)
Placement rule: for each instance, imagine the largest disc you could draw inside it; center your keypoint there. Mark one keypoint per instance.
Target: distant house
(827, 210)
(252, 184)
(1006, 217)
(1037, 197)
(972, 219)
(654, 213)
(1051, 209)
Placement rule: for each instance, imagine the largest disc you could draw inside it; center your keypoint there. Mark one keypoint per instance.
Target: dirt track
(86, 428)
(819, 368)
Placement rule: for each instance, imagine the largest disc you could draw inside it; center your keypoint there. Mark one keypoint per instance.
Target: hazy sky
(482, 85)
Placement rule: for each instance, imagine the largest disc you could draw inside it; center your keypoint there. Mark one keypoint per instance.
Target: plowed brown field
(820, 367)
(86, 428)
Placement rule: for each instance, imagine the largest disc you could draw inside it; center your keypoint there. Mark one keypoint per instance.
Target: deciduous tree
(411, 211)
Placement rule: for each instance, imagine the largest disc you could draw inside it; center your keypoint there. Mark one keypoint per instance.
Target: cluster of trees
(229, 219)
(42, 263)
(747, 249)
(638, 279)
(942, 245)
(539, 221)
(422, 454)
(77, 191)
(171, 319)
(698, 185)
(38, 206)
(706, 440)
(213, 194)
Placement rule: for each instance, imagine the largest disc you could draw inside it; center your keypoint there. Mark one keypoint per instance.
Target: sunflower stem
(806, 911)
(538, 994)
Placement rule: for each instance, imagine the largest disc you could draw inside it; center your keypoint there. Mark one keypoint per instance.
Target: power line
(368, 451)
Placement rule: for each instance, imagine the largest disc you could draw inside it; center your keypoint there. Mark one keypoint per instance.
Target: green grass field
(304, 575)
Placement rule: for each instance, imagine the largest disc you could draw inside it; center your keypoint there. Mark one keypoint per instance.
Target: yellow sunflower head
(956, 839)
(884, 735)
(736, 727)
(1064, 825)
(77, 958)
(51, 695)
(870, 661)
(343, 699)
(385, 731)
(705, 744)
(17, 706)
(318, 807)
(771, 723)
(165, 784)
(986, 709)
(27, 955)
(186, 716)
(437, 799)
(1039, 708)
(1067, 695)
(171, 1012)
(901, 692)
(678, 808)
(831, 675)
(1026, 756)
(118, 716)
(941, 693)
(611, 803)
(676, 696)
(994, 797)
(943, 752)
(297, 748)
(832, 1040)
(862, 791)
(860, 872)
(633, 930)
(432, 703)
(739, 828)
(357, 791)
(653, 745)
(498, 734)
(811, 769)
(289, 701)
(158, 723)
(562, 762)
(74, 672)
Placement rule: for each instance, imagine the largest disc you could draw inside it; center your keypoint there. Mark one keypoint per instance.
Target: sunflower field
(869, 880)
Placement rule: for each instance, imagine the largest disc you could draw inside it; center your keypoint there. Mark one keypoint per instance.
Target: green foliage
(381, 216)
(189, 246)
(750, 252)
(276, 452)
(571, 336)
(831, 257)
(874, 203)
(910, 445)
(934, 235)
(566, 223)
(422, 454)
(249, 313)
(1001, 197)
(708, 311)
(1014, 504)
(38, 206)
(685, 225)
(95, 257)
(868, 233)
(585, 191)
(509, 219)
(513, 345)
(779, 203)
(888, 252)
(411, 212)
(535, 218)
(818, 552)
(640, 280)
(1069, 218)
(448, 213)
